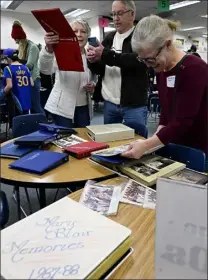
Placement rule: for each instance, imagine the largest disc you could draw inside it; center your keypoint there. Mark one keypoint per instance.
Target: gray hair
(130, 5)
(152, 31)
(84, 24)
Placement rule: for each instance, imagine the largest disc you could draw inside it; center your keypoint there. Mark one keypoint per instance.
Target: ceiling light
(182, 4)
(77, 13)
(205, 16)
(192, 28)
(204, 35)
(5, 4)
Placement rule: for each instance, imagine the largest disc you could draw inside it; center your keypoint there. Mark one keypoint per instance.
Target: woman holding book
(69, 101)
(182, 82)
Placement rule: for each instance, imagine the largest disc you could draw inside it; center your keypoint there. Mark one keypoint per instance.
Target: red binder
(84, 149)
(67, 52)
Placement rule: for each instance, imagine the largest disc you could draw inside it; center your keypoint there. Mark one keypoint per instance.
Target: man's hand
(136, 149)
(89, 88)
(94, 53)
(51, 39)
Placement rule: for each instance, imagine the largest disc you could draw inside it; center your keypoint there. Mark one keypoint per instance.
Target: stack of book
(110, 132)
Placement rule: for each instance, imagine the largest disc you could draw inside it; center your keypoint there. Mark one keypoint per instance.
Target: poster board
(181, 230)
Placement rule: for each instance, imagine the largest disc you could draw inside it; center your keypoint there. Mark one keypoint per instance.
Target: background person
(193, 50)
(29, 55)
(184, 116)
(17, 78)
(123, 80)
(69, 101)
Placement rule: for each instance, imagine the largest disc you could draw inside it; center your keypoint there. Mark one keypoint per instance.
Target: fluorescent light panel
(204, 35)
(192, 28)
(182, 4)
(77, 13)
(5, 4)
(205, 16)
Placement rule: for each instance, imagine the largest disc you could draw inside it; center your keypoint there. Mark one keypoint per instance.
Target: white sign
(171, 81)
(181, 231)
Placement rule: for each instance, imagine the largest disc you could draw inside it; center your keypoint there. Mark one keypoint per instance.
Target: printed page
(101, 198)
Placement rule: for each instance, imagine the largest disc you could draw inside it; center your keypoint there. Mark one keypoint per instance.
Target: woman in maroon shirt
(184, 114)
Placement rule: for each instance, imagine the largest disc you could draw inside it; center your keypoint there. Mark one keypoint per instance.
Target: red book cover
(84, 149)
(67, 52)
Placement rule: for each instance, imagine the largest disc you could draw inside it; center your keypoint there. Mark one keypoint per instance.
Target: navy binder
(56, 128)
(114, 160)
(37, 139)
(39, 162)
(11, 150)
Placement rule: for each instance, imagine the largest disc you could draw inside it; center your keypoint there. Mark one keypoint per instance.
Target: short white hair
(152, 31)
(84, 23)
(130, 5)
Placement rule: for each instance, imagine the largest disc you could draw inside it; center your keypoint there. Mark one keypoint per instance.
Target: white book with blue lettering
(65, 240)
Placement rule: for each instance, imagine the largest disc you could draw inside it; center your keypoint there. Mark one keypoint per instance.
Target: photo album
(147, 169)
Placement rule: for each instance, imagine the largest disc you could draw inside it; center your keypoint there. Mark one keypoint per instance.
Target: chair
(139, 128)
(154, 106)
(193, 158)
(22, 125)
(4, 209)
(25, 124)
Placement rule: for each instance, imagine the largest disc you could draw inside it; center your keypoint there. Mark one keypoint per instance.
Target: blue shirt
(21, 84)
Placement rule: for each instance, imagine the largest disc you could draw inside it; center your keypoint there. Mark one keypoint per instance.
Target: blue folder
(114, 160)
(11, 150)
(56, 128)
(36, 139)
(39, 162)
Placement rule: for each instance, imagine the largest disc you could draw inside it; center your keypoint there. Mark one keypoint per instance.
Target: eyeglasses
(150, 60)
(119, 13)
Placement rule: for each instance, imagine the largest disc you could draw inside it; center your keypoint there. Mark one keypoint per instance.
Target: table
(140, 265)
(68, 175)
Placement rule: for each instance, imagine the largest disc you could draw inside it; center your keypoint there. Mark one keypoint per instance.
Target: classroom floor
(50, 194)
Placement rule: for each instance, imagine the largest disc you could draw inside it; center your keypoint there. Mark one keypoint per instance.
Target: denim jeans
(81, 118)
(35, 98)
(118, 114)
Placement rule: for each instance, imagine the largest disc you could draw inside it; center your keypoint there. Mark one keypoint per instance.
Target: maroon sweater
(187, 122)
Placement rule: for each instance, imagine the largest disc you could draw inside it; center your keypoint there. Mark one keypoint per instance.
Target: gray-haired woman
(182, 84)
(69, 101)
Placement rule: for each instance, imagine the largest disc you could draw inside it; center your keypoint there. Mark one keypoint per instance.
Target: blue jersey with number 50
(21, 85)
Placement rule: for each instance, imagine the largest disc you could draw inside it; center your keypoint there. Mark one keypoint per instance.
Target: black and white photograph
(68, 141)
(133, 193)
(143, 169)
(190, 176)
(150, 199)
(101, 198)
(159, 163)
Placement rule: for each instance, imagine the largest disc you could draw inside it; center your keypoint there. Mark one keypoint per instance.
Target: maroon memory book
(84, 149)
(67, 51)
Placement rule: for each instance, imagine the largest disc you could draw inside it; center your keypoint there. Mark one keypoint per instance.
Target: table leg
(18, 203)
(42, 197)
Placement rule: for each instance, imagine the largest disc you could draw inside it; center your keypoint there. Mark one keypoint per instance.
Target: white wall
(96, 31)
(33, 29)
(30, 25)
(202, 49)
